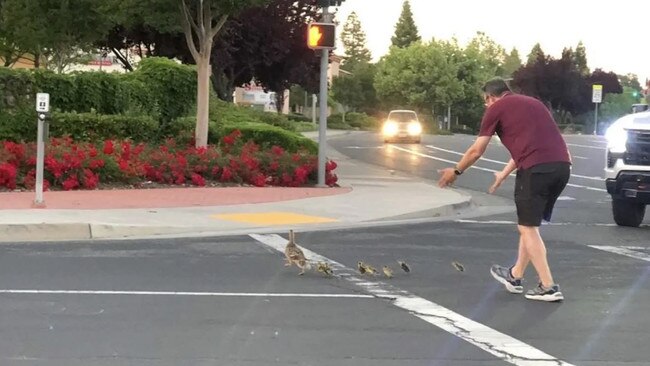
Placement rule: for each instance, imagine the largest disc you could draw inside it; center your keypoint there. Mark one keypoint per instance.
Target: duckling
(361, 267)
(294, 254)
(388, 271)
(459, 267)
(325, 268)
(405, 267)
(371, 270)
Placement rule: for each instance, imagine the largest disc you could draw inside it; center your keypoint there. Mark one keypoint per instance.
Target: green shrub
(335, 122)
(173, 86)
(299, 118)
(361, 121)
(229, 113)
(97, 127)
(97, 91)
(17, 89)
(61, 87)
(462, 129)
(267, 136)
(18, 125)
(140, 99)
(182, 129)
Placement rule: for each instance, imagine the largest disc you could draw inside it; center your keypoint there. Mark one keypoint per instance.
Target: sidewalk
(367, 194)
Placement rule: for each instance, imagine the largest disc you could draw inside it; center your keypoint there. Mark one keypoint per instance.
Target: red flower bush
(70, 165)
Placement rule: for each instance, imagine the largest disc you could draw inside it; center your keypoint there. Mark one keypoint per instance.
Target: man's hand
(447, 177)
(498, 179)
(502, 175)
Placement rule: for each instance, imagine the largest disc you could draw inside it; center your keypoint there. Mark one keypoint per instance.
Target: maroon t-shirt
(527, 129)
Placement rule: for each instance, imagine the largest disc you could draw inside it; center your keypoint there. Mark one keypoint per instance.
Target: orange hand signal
(315, 36)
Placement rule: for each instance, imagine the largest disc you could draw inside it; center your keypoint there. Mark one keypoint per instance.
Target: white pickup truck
(627, 171)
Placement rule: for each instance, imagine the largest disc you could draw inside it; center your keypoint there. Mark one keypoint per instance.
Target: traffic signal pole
(322, 125)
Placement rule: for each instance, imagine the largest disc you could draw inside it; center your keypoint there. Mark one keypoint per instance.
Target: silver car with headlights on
(402, 125)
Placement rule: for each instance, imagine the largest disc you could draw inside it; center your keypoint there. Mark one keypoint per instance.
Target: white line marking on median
(498, 344)
(364, 147)
(565, 198)
(497, 222)
(626, 251)
(488, 170)
(599, 179)
(589, 147)
(174, 293)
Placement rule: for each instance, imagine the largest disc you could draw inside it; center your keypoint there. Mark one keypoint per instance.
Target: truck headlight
(390, 128)
(414, 128)
(616, 139)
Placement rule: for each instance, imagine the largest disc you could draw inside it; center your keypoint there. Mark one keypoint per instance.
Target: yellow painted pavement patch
(274, 218)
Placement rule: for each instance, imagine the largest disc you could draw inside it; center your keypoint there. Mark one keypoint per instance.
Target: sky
(614, 33)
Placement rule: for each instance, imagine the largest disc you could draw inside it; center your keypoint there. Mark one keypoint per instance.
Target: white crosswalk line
(492, 341)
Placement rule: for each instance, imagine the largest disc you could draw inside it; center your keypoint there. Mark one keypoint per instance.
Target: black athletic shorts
(537, 189)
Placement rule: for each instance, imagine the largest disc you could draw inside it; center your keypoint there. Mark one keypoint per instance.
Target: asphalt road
(230, 300)
(585, 201)
(215, 301)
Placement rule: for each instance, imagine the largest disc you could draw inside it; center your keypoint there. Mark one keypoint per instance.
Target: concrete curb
(15, 233)
(44, 232)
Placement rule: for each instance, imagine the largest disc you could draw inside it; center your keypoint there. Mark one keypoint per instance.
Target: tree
(356, 92)
(354, 42)
(418, 77)
(536, 53)
(580, 59)
(263, 42)
(406, 32)
(608, 80)
(615, 106)
(283, 58)
(9, 50)
(59, 30)
(491, 55)
(511, 63)
(480, 61)
(200, 21)
(631, 81)
(557, 83)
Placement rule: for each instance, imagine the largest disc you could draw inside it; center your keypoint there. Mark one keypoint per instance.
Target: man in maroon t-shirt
(540, 156)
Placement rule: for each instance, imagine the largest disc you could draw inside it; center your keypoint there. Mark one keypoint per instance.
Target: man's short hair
(496, 87)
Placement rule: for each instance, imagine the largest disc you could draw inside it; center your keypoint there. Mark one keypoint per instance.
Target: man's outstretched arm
(471, 156)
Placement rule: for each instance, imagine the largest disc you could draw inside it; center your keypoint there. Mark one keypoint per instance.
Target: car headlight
(414, 128)
(390, 128)
(616, 139)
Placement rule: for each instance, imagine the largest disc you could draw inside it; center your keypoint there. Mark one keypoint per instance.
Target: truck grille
(638, 147)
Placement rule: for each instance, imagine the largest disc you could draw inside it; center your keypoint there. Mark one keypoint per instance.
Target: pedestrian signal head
(321, 36)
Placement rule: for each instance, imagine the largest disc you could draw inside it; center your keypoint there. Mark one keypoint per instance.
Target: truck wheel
(628, 213)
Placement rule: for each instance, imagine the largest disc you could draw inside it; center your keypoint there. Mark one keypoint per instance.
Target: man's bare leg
(523, 259)
(536, 251)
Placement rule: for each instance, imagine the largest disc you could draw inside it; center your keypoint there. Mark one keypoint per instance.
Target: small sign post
(43, 109)
(596, 98)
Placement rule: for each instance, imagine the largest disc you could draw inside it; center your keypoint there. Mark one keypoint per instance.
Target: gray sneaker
(503, 275)
(542, 293)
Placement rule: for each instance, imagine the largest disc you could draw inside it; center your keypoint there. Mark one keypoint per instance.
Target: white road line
(498, 222)
(589, 147)
(461, 154)
(599, 179)
(498, 344)
(485, 169)
(174, 293)
(565, 198)
(364, 147)
(626, 251)
(579, 157)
